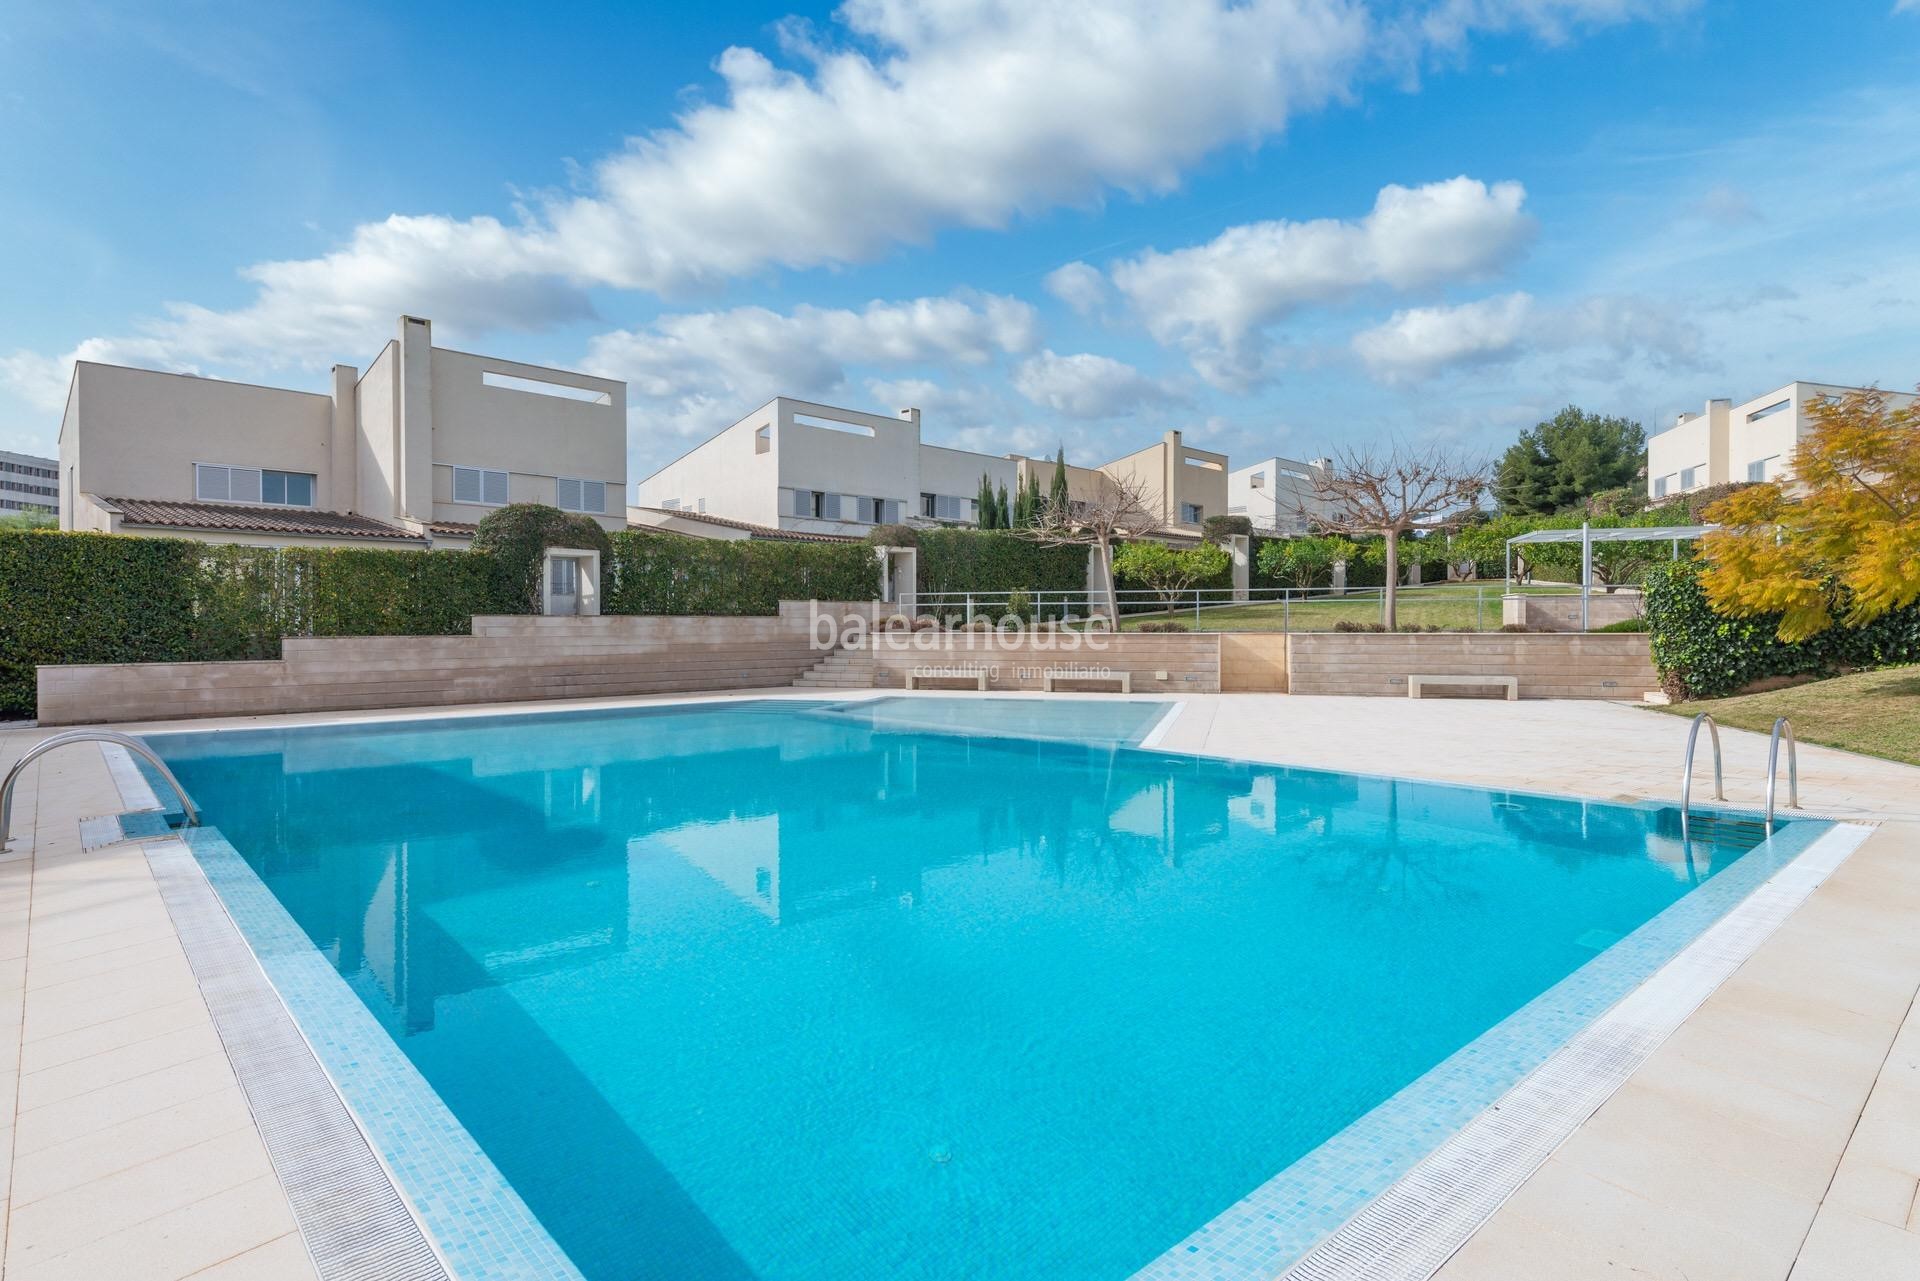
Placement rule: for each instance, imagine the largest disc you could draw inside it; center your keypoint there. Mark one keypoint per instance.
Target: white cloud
(1213, 300)
(693, 373)
(1086, 385)
(1600, 333)
(1079, 285)
(1420, 341)
(1449, 22)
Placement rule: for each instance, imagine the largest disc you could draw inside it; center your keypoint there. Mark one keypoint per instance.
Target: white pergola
(1587, 536)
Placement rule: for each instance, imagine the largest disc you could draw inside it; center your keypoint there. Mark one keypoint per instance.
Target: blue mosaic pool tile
(1265, 1232)
(478, 1223)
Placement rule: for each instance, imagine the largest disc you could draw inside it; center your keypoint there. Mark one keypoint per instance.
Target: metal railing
(1686, 769)
(1460, 606)
(1782, 725)
(46, 745)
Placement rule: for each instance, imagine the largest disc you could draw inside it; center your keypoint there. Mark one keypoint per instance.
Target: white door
(563, 585)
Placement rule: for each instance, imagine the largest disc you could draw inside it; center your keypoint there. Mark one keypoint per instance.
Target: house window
(1258, 480)
(219, 483)
(581, 496)
(286, 488)
(1757, 469)
(1191, 513)
(930, 506)
(763, 440)
(480, 486)
(1660, 486)
(1687, 475)
(1778, 406)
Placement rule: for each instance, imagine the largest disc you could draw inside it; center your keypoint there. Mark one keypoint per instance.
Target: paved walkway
(1777, 1134)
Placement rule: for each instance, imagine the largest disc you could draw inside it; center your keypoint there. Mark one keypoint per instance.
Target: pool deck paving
(1776, 1134)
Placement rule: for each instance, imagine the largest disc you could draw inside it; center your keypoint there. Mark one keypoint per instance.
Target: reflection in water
(735, 992)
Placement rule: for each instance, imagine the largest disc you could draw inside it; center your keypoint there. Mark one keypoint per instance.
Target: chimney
(911, 415)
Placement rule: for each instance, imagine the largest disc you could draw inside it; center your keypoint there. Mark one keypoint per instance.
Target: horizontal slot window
(541, 387)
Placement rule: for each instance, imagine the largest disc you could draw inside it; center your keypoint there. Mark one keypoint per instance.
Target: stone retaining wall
(1157, 663)
(1548, 665)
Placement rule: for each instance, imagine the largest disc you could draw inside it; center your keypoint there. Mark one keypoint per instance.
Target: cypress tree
(987, 507)
(1057, 497)
(1005, 520)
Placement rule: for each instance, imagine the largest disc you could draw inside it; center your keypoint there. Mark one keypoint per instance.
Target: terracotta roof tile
(238, 519)
(753, 530)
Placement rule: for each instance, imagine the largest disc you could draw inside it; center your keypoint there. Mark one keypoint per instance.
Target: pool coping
(1156, 732)
(336, 1116)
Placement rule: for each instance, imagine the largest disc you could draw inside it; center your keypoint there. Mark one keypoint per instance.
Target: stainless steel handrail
(1686, 768)
(46, 745)
(1782, 725)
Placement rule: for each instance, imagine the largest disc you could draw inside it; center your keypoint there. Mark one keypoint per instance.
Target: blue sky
(1280, 225)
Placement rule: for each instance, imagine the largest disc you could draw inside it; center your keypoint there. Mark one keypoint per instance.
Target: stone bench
(1050, 680)
(974, 679)
(1511, 684)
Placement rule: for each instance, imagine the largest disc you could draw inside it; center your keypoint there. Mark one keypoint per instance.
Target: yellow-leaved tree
(1840, 541)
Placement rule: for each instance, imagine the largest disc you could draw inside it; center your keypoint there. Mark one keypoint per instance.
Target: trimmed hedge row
(959, 560)
(107, 598)
(1702, 654)
(673, 574)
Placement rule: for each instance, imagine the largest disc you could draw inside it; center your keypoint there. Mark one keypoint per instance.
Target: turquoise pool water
(804, 991)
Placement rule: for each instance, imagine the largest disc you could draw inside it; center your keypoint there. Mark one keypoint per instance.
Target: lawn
(1454, 607)
(1874, 713)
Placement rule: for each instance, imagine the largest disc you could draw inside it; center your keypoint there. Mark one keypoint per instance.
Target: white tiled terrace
(1777, 1134)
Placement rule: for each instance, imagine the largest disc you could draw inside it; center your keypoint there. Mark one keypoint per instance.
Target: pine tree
(1005, 517)
(1057, 496)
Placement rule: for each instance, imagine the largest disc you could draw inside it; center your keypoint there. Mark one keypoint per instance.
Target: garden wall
(1158, 663)
(1548, 665)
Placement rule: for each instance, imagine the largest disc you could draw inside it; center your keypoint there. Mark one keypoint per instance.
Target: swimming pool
(820, 990)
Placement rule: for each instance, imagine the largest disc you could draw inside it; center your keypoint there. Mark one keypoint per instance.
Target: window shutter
(246, 484)
(593, 496)
(567, 495)
(466, 485)
(211, 484)
(493, 488)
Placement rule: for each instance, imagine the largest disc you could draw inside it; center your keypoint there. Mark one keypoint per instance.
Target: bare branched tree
(1123, 508)
(1407, 490)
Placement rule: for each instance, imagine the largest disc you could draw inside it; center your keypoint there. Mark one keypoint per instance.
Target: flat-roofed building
(29, 483)
(413, 452)
(1279, 495)
(1727, 443)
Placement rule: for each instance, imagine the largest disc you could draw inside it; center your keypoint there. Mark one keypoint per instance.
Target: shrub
(115, 598)
(893, 536)
(1161, 625)
(955, 561)
(1702, 654)
(1168, 571)
(1348, 625)
(517, 537)
(659, 573)
(1217, 529)
(1625, 625)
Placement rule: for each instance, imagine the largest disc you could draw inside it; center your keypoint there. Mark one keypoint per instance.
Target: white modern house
(28, 483)
(1277, 494)
(803, 467)
(411, 453)
(797, 467)
(1727, 443)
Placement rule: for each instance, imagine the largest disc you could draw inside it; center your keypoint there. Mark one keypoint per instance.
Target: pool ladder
(1782, 727)
(46, 745)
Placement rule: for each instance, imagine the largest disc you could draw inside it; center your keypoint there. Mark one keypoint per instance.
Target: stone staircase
(842, 669)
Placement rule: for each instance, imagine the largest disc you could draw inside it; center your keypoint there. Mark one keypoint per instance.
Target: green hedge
(673, 574)
(963, 560)
(107, 598)
(1701, 654)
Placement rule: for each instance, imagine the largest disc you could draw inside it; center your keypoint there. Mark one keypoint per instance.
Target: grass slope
(1874, 713)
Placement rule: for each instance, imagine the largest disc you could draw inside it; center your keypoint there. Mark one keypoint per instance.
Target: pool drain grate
(356, 1224)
